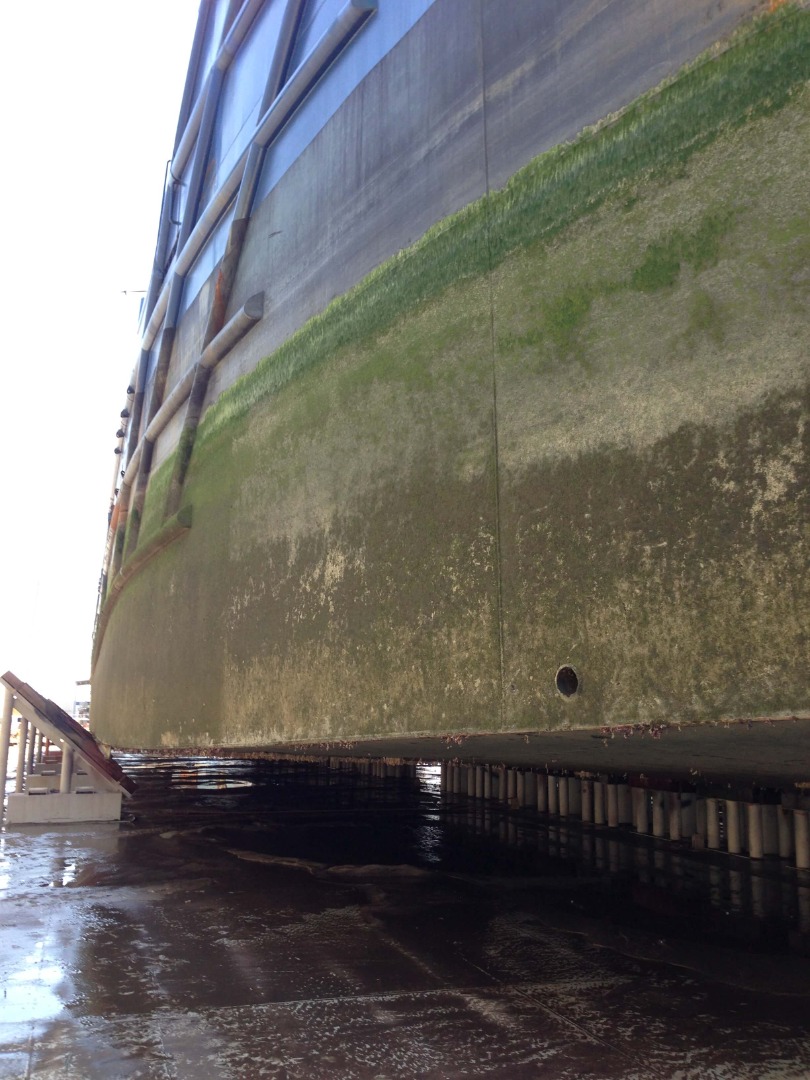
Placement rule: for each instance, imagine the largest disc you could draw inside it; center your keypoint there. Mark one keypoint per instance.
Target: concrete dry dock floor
(255, 921)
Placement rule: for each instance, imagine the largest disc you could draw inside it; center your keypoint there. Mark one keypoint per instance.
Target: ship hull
(535, 473)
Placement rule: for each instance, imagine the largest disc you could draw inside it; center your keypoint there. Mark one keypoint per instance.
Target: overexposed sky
(91, 90)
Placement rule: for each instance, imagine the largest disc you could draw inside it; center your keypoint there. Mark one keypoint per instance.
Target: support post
(658, 813)
(802, 830)
(598, 802)
(733, 837)
(587, 801)
(5, 739)
(22, 738)
(688, 808)
(756, 847)
(641, 816)
(784, 822)
(770, 829)
(712, 824)
(625, 805)
(612, 805)
(32, 747)
(674, 815)
(562, 797)
(530, 789)
(542, 793)
(552, 794)
(520, 788)
(67, 770)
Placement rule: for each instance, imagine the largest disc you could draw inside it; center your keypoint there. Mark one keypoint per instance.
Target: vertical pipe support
(784, 821)
(574, 796)
(598, 802)
(563, 807)
(801, 827)
(529, 789)
(688, 813)
(5, 738)
(770, 829)
(542, 793)
(22, 737)
(659, 813)
(756, 846)
(552, 794)
(511, 785)
(641, 815)
(587, 801)
(713, 824)
(66, 775)
(32, 747)
(625, 804)
(612, 805)
(733, 831)
(674, 815)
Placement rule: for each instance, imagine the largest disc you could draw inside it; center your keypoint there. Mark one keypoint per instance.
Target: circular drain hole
(567, 681)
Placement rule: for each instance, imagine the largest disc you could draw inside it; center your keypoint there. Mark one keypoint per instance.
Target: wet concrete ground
(254, 920)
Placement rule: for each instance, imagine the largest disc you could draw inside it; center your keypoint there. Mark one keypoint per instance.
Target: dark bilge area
(281, 919)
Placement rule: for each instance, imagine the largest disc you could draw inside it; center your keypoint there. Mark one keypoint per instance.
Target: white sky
(91, 90)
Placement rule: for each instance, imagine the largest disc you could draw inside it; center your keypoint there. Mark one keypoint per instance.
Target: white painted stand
(89, 787)
(53, 808)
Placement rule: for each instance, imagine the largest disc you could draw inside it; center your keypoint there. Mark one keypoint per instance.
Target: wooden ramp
(88, 786)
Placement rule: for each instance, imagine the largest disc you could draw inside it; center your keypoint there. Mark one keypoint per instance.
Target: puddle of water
(331, 817)
(5, 864)
(429, 778)
(222, 785)
(68, 873)
(29, 993)
(208, 776)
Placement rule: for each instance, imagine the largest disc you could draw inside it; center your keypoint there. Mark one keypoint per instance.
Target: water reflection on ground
(250, 919)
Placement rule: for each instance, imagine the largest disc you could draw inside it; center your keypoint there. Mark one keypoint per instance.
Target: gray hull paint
(400, 589)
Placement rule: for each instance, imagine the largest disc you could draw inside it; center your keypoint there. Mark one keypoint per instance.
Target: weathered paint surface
(595, 455)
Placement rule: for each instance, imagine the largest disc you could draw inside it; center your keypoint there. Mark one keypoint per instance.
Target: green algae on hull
(569, 426)
(654, 138)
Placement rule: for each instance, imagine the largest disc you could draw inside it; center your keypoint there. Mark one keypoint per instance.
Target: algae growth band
(473, 385)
